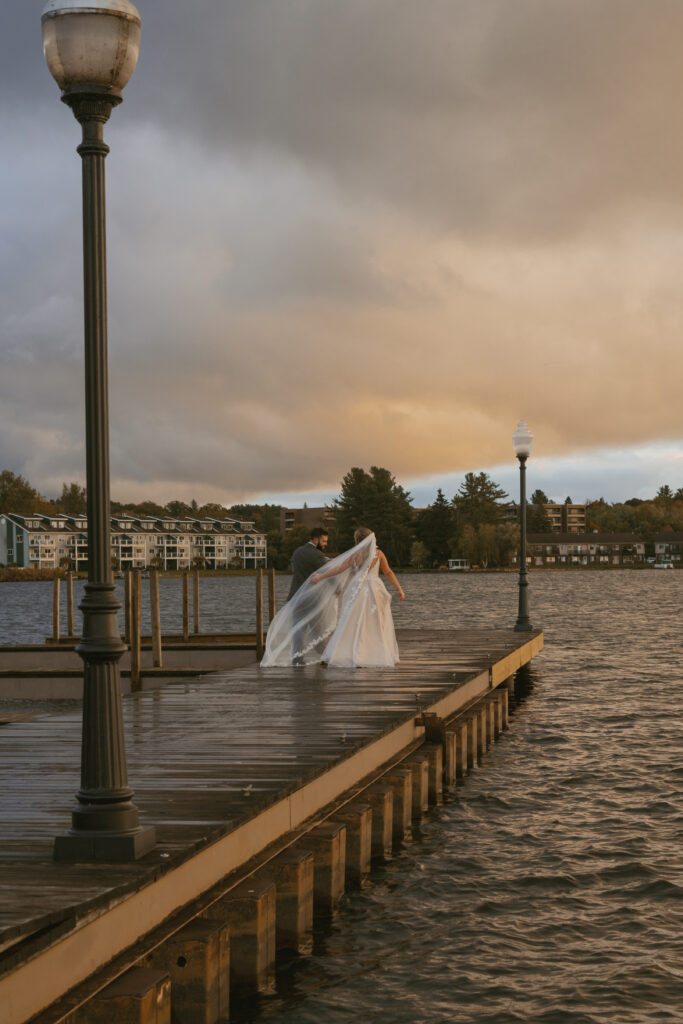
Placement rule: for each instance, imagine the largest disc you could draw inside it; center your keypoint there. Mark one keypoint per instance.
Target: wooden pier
(236, 770)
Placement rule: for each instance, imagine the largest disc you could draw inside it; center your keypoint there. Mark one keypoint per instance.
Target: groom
(307, 558)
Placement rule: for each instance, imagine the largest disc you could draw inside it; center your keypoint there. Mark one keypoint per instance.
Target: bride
(341, 616)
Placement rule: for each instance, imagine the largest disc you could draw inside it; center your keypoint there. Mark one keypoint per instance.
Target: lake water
(548, 889)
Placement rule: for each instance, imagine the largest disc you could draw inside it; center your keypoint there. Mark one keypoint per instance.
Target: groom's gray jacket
(305, 561)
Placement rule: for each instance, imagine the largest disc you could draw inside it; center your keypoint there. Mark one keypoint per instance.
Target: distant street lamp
(91, 48)
(522, 439)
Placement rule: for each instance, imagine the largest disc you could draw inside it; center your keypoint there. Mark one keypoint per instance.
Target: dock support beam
(401, 781)
(357, 818)
(140, 996)
(197, 959)
(380, 797)
(249, 911)
(292, 872)
(328, 843)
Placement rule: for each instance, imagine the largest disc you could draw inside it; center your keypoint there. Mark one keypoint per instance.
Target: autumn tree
(419, 554)
(17, 495)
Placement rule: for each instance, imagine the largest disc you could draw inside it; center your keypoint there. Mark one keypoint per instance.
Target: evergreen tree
(537, 519)
(477, 500)
(435, 526)
(375, 500)
(73, 501)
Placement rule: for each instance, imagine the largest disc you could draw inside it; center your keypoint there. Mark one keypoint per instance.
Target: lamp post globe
(91, 48)
(522, 440)
(92, 45)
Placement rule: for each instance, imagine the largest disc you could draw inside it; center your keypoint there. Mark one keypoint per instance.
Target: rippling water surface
(548, 888)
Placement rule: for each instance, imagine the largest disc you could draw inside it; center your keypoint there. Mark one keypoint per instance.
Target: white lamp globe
(523, 440)
(91, 44)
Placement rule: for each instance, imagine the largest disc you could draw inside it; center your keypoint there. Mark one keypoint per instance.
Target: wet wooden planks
(204, 756)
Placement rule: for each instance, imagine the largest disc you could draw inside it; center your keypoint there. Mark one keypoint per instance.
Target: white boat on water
(663, 565)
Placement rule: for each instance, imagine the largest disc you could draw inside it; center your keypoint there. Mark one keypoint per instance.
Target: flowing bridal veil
(299, 633)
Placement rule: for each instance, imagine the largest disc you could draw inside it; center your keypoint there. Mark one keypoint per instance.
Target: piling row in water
(229, 943)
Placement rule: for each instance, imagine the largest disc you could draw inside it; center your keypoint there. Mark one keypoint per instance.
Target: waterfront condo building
(563, 517)
(58, 541)
(602, 549)
(308, 517)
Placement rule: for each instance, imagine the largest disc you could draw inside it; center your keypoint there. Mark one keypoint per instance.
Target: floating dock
(293, 779)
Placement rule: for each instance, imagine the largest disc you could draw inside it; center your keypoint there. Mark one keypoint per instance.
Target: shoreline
(48, 575)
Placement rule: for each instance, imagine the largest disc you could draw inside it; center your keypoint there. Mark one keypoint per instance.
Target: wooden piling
(70, 604)
(55, 608)
(135, 632)
(195, 600)
(186, 607)
(259, 614)
(127, 605)
(271, 595)
(155, 612)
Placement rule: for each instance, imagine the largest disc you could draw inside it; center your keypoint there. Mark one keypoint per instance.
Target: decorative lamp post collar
(523, 440)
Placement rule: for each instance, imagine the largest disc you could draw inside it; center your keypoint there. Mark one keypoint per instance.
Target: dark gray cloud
(350, 231)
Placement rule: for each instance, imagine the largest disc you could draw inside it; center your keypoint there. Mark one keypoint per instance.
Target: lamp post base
(522, 627)
(103, 846)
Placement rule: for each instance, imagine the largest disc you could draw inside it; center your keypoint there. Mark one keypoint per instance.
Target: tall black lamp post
(522, 440)
(91, 48)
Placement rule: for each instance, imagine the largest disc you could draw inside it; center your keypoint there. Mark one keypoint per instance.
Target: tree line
(476, 523)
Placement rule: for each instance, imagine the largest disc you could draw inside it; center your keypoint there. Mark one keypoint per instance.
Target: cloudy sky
(356, 232)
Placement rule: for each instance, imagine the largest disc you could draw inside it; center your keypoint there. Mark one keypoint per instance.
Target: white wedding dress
(344, 620)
